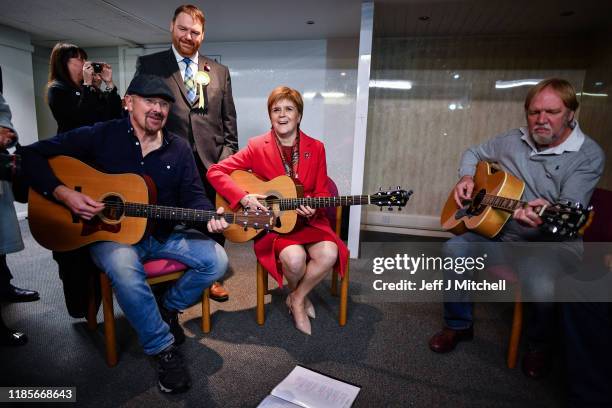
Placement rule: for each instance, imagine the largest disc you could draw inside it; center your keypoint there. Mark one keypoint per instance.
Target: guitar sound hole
(269, 202)
(113, 208)
(475, 207)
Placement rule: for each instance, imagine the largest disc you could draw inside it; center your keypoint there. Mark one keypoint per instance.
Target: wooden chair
(335, 219)
(599, 230)
(158, 271)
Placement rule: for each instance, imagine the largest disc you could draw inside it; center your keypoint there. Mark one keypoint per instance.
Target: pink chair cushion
(160, 267)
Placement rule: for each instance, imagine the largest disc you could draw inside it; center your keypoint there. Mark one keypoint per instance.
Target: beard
(543, 139)
(151, 128)
(186, 48)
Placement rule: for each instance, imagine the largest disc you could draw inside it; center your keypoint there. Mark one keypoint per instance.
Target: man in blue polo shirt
(141, 144)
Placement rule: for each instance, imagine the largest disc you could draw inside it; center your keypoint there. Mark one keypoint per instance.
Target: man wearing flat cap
(141, 144)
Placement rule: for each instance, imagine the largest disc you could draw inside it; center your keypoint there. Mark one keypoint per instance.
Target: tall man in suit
(211, 130)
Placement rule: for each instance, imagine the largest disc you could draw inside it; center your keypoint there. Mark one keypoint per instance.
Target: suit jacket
(213, 133)
(262, 157)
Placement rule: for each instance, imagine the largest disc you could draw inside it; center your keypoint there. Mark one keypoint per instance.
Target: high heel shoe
(308, 307)
(310, 310)
(302, 323)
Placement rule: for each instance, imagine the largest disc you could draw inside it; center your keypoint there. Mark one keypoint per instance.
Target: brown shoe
(446, 340)
(536, 364)
(218, 292)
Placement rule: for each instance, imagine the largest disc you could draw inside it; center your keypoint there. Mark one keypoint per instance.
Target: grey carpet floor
(383, 348)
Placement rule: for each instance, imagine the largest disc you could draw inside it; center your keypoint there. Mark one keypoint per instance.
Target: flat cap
(150, 85)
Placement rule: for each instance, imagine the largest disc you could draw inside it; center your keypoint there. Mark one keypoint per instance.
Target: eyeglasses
(150, 102)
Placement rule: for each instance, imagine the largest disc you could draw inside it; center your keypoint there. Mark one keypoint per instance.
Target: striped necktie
(189, 80)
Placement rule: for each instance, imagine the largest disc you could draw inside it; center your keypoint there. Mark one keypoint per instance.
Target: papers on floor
(309, 389)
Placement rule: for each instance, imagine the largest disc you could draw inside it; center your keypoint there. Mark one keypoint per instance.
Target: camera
(10, 166)
(97, 66)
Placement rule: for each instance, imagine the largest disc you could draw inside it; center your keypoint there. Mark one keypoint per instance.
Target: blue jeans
(536, 273)
(123, 264)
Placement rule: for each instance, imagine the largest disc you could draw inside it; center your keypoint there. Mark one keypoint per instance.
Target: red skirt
(268, 247)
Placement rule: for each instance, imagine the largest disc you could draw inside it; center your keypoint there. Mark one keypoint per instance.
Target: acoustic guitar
(127, 209)
(495, 196)
(284, 195)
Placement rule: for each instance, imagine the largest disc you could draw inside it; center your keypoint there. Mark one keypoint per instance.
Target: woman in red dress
(309, 252)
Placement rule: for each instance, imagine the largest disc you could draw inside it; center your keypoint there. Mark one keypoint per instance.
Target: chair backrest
(600, 229)
(334, 214)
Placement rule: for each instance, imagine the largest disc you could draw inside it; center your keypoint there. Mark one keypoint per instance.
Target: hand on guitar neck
(86, 207)
(530, 214)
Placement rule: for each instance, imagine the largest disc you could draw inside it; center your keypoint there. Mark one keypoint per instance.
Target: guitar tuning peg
(380, 188)
(399, 187)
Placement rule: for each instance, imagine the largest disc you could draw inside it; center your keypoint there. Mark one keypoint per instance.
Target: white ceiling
(92, 23)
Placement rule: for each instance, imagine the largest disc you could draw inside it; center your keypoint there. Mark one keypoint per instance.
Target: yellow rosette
(202, 79)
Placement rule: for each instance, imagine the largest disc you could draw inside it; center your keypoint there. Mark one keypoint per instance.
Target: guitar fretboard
(318, 202)
(503, 203)
(160, 212)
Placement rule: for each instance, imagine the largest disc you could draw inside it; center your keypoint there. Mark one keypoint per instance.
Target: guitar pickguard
(96, 224)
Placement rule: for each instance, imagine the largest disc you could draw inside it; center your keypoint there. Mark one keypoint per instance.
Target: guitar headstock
(565, 219)
(258, 220)
(391, 198)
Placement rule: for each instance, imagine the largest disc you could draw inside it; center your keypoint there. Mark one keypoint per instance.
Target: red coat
(262, 157)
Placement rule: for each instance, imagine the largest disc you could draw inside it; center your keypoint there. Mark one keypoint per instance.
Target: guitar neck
(503, 203)
(160, 212)
(319, 202)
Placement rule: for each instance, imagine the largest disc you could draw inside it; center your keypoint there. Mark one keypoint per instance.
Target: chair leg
(344, 284)
(334, 283)
(517, 325)
(92, 323)
(206, 311)
(261, 291)
(109, 321)
(265, 282)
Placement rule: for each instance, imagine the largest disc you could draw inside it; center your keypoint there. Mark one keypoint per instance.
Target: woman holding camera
(74, 93)
(76, 100)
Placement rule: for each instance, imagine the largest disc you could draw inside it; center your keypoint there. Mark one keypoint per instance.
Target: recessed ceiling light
(310, 22)
(343, 73)
(424, 18)
(567, 13)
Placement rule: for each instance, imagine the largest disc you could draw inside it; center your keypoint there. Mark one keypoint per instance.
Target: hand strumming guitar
(79, 203)
(251, 202)
(463, 190)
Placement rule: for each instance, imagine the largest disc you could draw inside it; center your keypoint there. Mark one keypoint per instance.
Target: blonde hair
(563, 88)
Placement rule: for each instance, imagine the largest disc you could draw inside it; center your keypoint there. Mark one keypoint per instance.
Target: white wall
(47, 126)
(16, 60)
